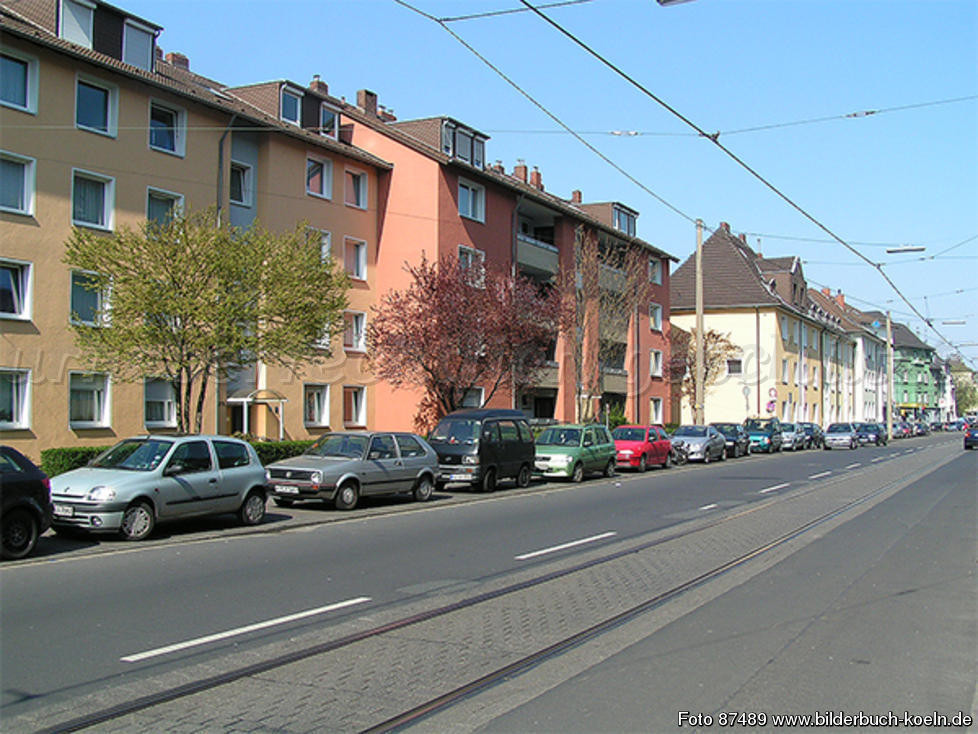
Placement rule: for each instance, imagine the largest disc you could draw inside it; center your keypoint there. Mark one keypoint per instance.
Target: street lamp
(905, 248)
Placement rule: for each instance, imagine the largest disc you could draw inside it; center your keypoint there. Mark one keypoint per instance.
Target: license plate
(285, 489)
(64, 511)
(542, 467)
(459, 477)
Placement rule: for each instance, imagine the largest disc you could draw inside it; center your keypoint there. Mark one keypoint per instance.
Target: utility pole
(698, 417)
(889, 378)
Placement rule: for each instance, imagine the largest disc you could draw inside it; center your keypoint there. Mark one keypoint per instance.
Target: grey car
(841, 436)
(703, 443)
(148, 479)
(342, 467)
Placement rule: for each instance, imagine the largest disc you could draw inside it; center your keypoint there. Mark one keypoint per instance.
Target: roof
(847, 316)
(480, 413)
(902, 335)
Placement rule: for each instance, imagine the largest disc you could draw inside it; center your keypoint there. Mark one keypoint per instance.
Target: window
(735, 367)
(192, 456)
(784, 328)
(355, 333)
(319, 178)
(291, 106)
(15, 394)
(88, 401)
(655, 271)
(784, 371)
(624, 221)
(655, 363)
(17, 183)
(167, 128)
(473, 397)
(86, 299)
(463, 144)
(162, 205)
(471, 201)
(321, 239)
(92, 200)
(159, 404)
(231, 454)
(329, 121)
(655, 317)
(96, 106)
(315, 401)
(137, 45)
(18, 81)
(15, 289)
(77, 19)
(355, 259)
(354, 406)
(356, 189)
(655, 408)
(473, 262)
(240, 189)
(409, 446)
(796, 371)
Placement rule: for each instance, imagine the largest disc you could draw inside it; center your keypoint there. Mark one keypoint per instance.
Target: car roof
(480, 413)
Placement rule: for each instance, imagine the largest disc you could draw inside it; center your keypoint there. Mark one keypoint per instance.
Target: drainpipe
(757, 341)
(220, 167)
(514, 268)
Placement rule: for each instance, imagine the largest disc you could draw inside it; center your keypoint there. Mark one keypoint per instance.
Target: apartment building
(102, 130)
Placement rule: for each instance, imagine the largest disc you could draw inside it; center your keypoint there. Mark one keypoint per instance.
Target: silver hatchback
(148, 479)
(342, 467)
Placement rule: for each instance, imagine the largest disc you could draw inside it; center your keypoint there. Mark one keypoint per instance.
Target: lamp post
(698, 417)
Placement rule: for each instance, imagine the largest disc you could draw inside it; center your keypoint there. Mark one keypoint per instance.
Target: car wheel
(489, 481)
(643, 463)
(577, 475)
(252, 510)
(609, 470)
(852, 445)
(283, 503)
(20, 531)
(138, 521)
(668, 461)
(423, 489)
(723, 453)
(347, 496)
(523, 478)
(706, 456)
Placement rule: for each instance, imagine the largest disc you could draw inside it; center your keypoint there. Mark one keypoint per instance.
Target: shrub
(272, 451)
(58, 461)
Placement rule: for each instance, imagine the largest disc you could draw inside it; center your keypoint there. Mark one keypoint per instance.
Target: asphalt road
(83, 616)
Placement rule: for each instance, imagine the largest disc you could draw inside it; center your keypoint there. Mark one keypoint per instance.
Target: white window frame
(21, 401)
(360, 266)
(173, 196)
(740, 367)
(179, 128)
(323, 107)
(295, 94)
(474, 392)
(785, 375)
(655, 317)
(29, 179)
(104, 420)
(108, 205)
(324, 238)
(619, 216)
(139, 28)
(784, 328)
(655, 363)
(89, 32)
(477, 201)
(360, 419)
(322, 404)
(478, 152)
(169, 405)
(326, 189)
(359, 338)
(26, 280)
(101, 306)
(470, 256)
(655, 408)
(247, 184)
(655, 271)
(31, 81)
(361, 176)
(112, 100)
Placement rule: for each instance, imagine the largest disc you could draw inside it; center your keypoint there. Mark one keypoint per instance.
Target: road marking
(879, 458)
(774, 488)
(242, 630)
(820, 475)
(564, 546)
(709, 507)
(853, 466)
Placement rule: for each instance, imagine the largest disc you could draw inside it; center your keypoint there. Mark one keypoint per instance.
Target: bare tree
(717, 349)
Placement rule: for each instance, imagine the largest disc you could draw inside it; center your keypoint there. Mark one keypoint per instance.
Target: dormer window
(291, 106)
(137, 45)
(463, 144)
(624, 221)
(329, 121)
(77, 21)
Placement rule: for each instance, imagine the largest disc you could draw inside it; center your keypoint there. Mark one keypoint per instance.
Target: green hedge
(58, 461)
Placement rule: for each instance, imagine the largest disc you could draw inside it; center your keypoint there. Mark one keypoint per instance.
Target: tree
(458, 327)
(965, 397)
(717, 349)
(188, 301)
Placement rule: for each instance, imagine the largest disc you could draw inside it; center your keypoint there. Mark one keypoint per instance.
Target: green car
(568, 451)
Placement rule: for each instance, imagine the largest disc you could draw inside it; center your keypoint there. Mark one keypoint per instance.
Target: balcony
(537, 255)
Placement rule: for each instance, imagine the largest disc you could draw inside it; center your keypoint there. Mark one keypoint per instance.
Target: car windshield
(628, 434)
(557, 436)
(339, 445)
(839, 428)
(690, 431)
(136, 454)
(755, 424)
(788, 427)
(727, 429)
(456, 430)
(865, 427)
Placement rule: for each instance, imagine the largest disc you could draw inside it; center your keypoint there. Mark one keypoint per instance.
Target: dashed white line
(879, 458)
(775, 488)
(243, 630)
(820, 475)
(709, 507)
(853, 466)
(564, 546)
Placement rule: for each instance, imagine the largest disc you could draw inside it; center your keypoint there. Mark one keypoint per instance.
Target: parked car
(793, 437)
(572, 450)
(25, 503)
(902, 430)
(920, 429)
(814, 434)
(343, 467)
(870, 433)
(841, 436)
(638, 447)
(764, 433)
(703, 443)
(971, 437)
(936, 426)
(482, 446)
(149, 479)
(736, 438)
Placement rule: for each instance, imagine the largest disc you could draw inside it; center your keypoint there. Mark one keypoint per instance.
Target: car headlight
(625, 452)
(316, 477)
(765, 439)
(268, 475)
(100, 494)
(561, 459)
(470, 459)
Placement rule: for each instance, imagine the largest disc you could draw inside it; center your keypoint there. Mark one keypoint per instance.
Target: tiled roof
(902, 335)
(776, 264)
(846, 315)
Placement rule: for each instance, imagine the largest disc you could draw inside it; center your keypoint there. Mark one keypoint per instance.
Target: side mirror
(172, 470)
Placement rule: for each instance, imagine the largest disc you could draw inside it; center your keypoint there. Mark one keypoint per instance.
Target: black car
(814, 434)
(738, 442)
(482, 446)
(871, 433)
(25, 503)
(971, 436)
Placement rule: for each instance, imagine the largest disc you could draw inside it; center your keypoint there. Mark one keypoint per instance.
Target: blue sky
(897, 177)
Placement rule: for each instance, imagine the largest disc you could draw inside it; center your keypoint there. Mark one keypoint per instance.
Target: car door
(414, 458)
(660, 445)
(489, 446)
(509, 448)
(589, 450)
(190, 484)
(238, 472)
(383, 471)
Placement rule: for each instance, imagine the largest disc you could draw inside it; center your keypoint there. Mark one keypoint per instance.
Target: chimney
(576, 196)
(519, 170)
(318, 85)
(158, 52)
(840, 299)
(498, 167)
(725, 227)
(387, 115)
(536, 179)
(367, 101)
(827, 292)
(178, 60)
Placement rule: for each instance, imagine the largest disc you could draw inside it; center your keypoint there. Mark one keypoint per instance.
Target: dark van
(482, 446)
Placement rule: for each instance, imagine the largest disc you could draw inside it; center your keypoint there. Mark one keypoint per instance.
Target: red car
(638, 447)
